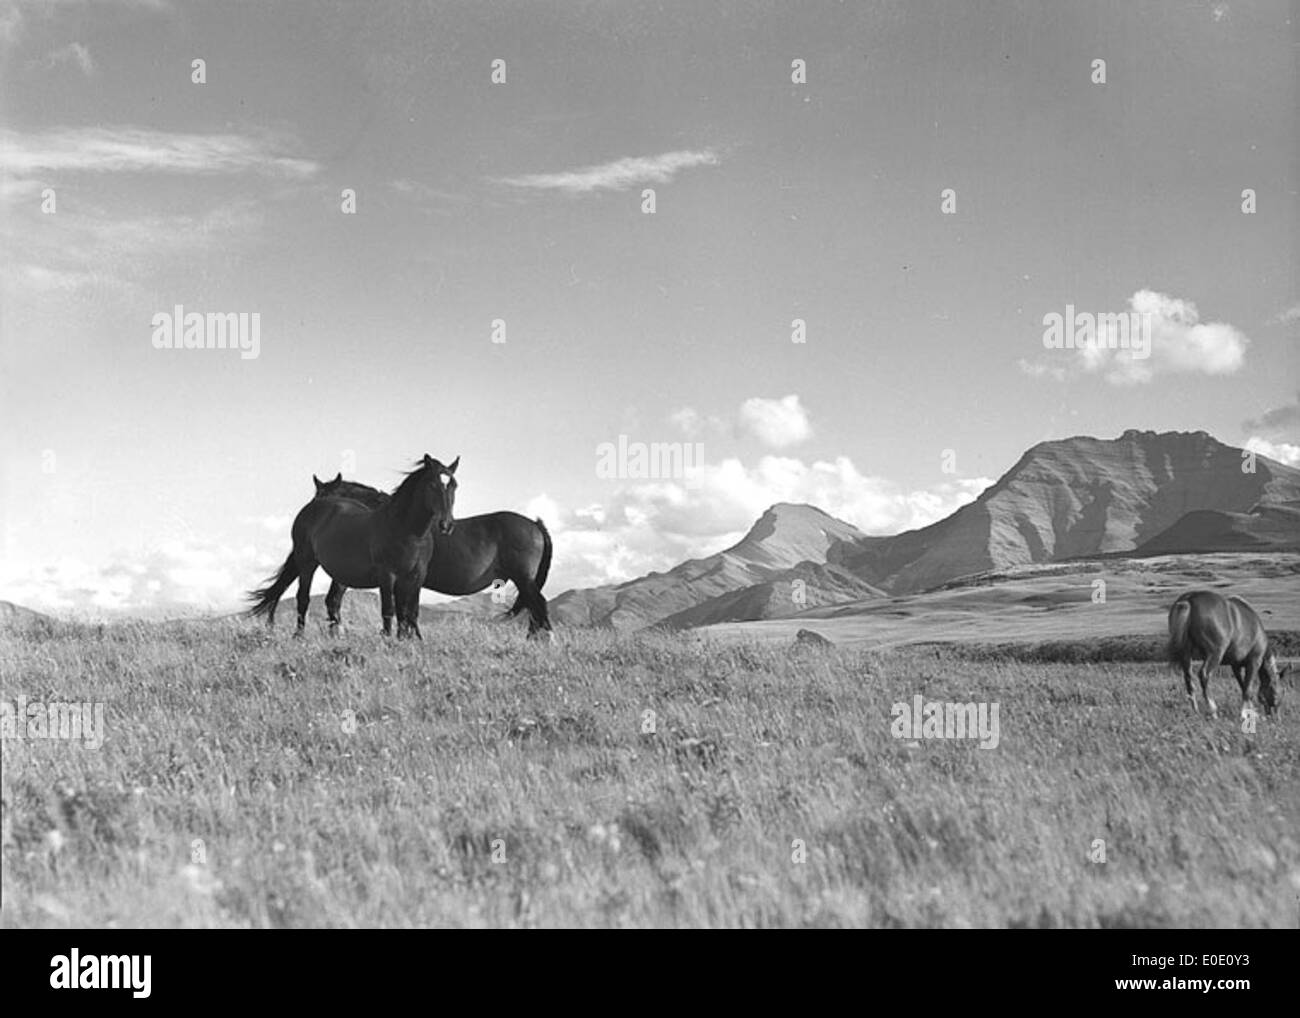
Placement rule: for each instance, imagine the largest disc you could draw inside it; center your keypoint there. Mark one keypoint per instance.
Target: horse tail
(1180, 616)
(267, 597)
(543, 567)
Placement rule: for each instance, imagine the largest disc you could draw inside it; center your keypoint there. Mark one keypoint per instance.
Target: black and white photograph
(598, 464)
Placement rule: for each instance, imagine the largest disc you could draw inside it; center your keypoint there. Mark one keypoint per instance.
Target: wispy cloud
(427, 198)
(104, 258)
(73, 52)
(14, 14)
(1282, 420)
(1039, 370)
(619, 175)
(140, 150)
(1286, 316)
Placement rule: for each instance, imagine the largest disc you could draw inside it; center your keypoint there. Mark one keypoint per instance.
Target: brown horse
(1224, 630)
(386, 546)
(482, 550)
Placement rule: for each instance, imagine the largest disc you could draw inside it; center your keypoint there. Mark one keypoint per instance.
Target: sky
(439, 215)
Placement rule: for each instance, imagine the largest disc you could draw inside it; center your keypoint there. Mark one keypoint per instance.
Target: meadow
(476, 779)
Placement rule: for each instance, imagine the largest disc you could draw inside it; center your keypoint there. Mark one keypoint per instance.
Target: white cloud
(186, 573)
(1286, 316)
(691, 423)
(139, 150)
(14, 13)
(655, 525)
(1039, 370)
(1283, 452)
(73, 52)
(1180, 342)
(619, 175)
(1281, 421)
(777, 423)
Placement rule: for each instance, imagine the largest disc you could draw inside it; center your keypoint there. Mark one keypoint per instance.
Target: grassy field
(249, 779)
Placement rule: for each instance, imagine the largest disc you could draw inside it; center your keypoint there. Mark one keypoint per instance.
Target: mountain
(783, 538)
(1144, 493)
(1264, 528)
(1076, 498)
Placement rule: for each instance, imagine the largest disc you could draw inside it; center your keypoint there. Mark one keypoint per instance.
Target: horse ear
(455, 463)
(338, 477)
(317, 481)
(428, 460)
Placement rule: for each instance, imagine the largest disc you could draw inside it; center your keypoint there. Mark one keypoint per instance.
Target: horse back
(1227, 626)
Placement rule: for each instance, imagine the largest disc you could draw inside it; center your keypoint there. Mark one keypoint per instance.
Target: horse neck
(404, 510)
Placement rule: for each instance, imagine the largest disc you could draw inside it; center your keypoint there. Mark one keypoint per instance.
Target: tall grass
(253, 780)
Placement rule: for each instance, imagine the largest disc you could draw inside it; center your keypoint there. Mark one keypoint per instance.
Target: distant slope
(1143, 492)
(785, 536)
(16, 618)
(1034, 603)
(808, 585)
(1273, 527)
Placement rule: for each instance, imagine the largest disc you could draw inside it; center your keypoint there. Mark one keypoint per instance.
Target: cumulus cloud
(655, 525)
(1180, 342)
(1283, 452)
(1276, 433)
(178, 574)
(619, 175)
(777, 423)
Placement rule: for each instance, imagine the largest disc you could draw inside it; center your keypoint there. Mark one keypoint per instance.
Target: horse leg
(386, 604)
(539, 620)
(334, 606)
(1248, 677)
(1241, 673)
(1208, 666)
(413, 613)
(408, 608)
(306, 570)
(1187, 681)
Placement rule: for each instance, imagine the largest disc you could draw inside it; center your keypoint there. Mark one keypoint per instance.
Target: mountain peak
(791, 532)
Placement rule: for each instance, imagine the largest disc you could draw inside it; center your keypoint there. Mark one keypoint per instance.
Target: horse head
(325, 487)
(1271, 681)
(440, 492)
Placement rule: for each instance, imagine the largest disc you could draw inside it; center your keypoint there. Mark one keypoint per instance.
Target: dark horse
(483, 550)
(1224, 630)
(386, 546)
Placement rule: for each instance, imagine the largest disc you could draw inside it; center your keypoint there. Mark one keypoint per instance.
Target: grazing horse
(1224, 630)
(386, 546)
(482, 550)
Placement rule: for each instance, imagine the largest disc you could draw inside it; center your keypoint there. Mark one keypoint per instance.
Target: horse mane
(409, 480)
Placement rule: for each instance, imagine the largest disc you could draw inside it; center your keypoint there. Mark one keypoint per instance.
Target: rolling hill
(1143, 493)
(783, 539)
